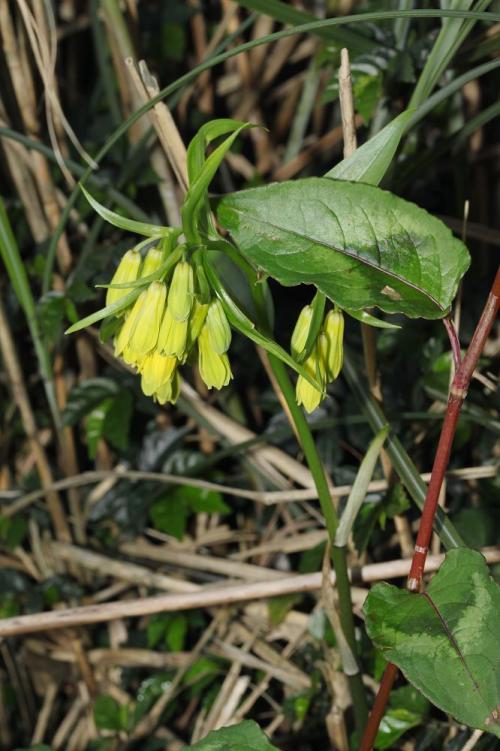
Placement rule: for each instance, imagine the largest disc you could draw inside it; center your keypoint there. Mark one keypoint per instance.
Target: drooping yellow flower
(152, 262)
(146, 328)
(127, 271)
(122, 341)
(169, 392)
(334, 330)
(307, 394)
(180, 296)
(301, 330)
(219, 332)
(173, 336)
(157, 371)
(214, 368)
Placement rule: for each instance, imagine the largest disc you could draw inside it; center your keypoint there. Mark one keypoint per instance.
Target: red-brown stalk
(458, 392)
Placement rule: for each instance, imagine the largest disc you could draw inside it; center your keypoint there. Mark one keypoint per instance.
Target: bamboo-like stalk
(21, 398)
(458, 392)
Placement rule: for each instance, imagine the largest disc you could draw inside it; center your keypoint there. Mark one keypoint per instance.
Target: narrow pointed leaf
(131, 225)
(370, 162)
(445, 641)
(205, 135)
(360, 245)
(364, 317)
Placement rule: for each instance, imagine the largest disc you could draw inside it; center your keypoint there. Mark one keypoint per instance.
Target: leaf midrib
(345, 251)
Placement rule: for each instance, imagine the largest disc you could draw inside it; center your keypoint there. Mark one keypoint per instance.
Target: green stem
(339, 556)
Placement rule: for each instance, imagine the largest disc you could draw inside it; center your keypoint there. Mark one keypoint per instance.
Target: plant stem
(339, 557)
(458, 392)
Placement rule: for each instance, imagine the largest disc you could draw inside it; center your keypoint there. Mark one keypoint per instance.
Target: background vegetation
(68, 409)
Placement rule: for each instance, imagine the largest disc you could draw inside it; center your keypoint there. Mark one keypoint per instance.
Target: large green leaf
(360, 245)
(446, 640)
(247, 736)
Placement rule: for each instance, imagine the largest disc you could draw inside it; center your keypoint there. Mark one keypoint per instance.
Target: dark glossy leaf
(169, 517)
(87, 395)
(247, 736)
(445, 640)
(360, 245)
(117, 421)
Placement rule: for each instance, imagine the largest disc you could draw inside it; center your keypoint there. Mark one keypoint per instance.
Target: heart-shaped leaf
(247, 736)
(446, 640)
(360, 245)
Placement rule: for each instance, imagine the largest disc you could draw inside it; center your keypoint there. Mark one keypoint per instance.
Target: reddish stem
(454, 341)
(458, 392)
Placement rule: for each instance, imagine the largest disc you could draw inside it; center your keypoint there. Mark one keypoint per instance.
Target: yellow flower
(315, 365)
(214, 368)
(127, 271)
(219, 333)
(180, 296)
(334, 330)
(301, 330)
(173, 336)
(122, 341)
(139, 333)
(152, 262)
(157, 371)
(144, 334)
(169, 392)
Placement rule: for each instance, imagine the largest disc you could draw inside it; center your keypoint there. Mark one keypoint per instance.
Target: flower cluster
(165, 324)
(325, 359)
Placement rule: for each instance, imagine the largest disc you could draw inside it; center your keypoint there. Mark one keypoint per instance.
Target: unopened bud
(152, 262)
(180, 296)
(170, 391)
(144, 334)
(219, 332)
(127, 271)
(334, 330)
(301, 330)
(214, 368)
(196, 321)
(307, 394)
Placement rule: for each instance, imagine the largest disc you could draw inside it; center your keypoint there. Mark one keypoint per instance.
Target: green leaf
(370, 162)
(175, 637)
(360, 245)
(247, 736)
(95, 425)
(279, 607)
(393, 725)
(205, 135)
(445, 640)
(109, 310)
(117, 422)
(131, 225)
(364, 317)
(198, 190)
(87, 395)
(169, 517)
(107, 715)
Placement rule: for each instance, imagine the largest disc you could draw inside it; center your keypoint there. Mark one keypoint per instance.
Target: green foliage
(110, 715)
(12, 531)
(247, 736)
(444, 640)
(170, 513)
(359, 245)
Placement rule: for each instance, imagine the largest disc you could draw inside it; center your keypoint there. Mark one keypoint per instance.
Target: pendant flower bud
(173, 336)
(157, 371)
(170, 391)
(214, 368)
(334, 330)
(219, 332)
(301, 330)
(152, 262)
(180, 296)
(306, 394)
(127, 271)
